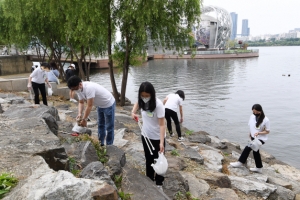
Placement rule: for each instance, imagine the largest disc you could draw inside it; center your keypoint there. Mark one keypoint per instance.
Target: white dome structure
(214, 28)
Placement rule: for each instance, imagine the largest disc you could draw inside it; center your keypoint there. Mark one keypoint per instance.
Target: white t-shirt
(265, 125)
(150, 120)
(102, 97)
(174, 100)
(38, 76)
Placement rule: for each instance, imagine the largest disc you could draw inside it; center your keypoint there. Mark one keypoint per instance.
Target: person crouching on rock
(259, 126)
(153, 130)
(100, 97)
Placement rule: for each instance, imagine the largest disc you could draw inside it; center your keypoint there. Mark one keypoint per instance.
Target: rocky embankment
(36, 146)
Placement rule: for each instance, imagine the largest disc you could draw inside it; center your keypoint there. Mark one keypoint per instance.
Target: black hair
(45, 65)
(181, 94)
(261, 116)
(148, 88)
(73, 81)
(53, 65)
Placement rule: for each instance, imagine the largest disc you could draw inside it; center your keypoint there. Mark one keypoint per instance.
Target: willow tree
(85, 30)
(141, 21)
(31, 23)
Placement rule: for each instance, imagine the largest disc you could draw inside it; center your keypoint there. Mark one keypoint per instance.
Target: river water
(220, 94)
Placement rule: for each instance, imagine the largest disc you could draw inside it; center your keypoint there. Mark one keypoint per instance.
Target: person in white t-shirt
(259, 126)
(153, 115)
(37, 80)
(100, 97)
(172, 102)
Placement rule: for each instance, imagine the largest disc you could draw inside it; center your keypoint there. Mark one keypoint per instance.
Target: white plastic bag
(79, 129)
(50, 91)
(161, 165)
(255, 144)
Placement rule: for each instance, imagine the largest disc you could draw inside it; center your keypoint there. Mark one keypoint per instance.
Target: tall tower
(234, 19)
(245, 29)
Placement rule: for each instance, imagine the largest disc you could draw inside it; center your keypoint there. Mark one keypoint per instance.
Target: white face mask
(146, 99)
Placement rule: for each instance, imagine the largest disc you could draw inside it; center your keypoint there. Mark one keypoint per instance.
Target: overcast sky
(264, 16)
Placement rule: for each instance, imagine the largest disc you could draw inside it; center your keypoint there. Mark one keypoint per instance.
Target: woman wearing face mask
(37, 80)
(153, 115)
(259, 126)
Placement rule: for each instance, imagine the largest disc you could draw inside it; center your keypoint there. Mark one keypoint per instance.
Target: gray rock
(176, 164)
(169, 147)
(140, 187)
(83, 152)
(135, 158)
(213, 159)
(51, 122)
(215, 178)
(192, 154)
(197, 187)
(282, 194)
(199, 138)
(1, 110)
(97, 171)
(225, 194)
(45, 183)
(174, 183)
(252, 187)
(117, 160)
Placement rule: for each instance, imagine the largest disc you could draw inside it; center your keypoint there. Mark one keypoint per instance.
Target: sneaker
(254, 169)
(73, 100)
(180, 139)
(160, 187)
(236, 164)
(172, 134)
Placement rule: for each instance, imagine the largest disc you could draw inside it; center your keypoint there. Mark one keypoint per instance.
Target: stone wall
(14, 65)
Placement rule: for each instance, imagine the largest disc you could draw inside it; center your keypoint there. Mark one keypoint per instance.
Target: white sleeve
(33, 73)
(267, 125)
(160, 110)
(90, 93)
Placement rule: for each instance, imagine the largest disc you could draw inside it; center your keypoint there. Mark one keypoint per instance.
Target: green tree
(141, 21)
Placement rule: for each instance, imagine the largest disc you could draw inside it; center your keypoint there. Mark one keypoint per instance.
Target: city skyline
(264, 16)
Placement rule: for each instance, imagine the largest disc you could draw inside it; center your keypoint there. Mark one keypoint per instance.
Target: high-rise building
(234, 18)
(245, 28)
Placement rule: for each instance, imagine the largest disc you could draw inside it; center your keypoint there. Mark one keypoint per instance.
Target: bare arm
(181, 114)
(162, 130)
(89, 106)
(165, 100)
(134, 110)
(264, 132)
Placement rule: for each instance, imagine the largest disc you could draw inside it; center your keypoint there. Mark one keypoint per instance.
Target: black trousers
(36, 87)
(256, 155)
(150, 159)
(172, 114)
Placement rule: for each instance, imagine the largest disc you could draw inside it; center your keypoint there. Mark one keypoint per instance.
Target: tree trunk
(81, 72)
(110, 61)
(125, 73)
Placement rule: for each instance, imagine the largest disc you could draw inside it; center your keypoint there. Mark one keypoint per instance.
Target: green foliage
(273, 42)
(118, 181)
(7, 182)
(174, 152)
(189, 132)
(72, 167)
(124, 196)
(101, 151)
(179, 196)
(189, 196)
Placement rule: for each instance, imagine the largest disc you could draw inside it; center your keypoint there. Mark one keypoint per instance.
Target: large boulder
(46, 184)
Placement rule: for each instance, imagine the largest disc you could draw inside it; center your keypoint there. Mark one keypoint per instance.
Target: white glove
(29, 86)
